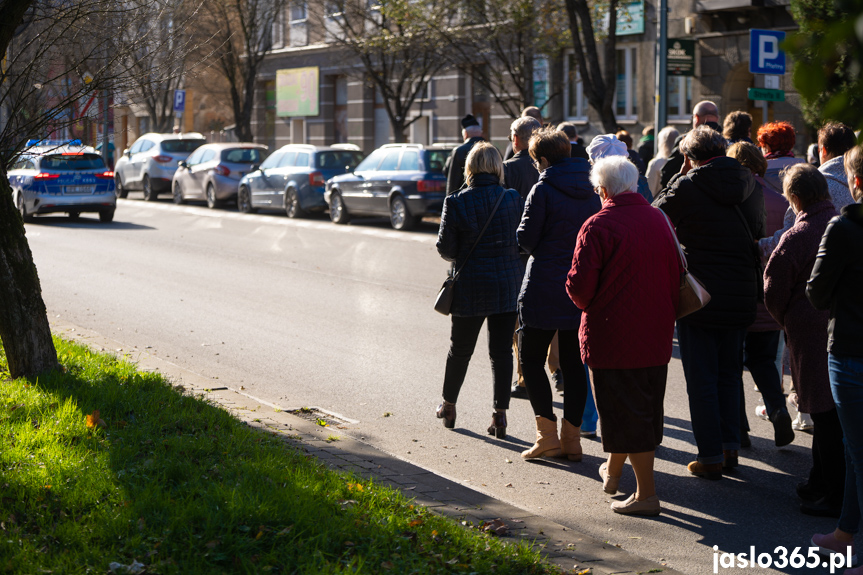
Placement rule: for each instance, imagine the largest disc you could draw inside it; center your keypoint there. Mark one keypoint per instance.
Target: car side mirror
(182, 164)
(126, 152)
(254, 168)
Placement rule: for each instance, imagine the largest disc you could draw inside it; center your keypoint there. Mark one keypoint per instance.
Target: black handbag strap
(481, 233)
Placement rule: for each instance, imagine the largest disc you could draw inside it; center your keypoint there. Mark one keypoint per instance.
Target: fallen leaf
(212, 544)
(349, 544)
(415, 522)
(387, 565)
(495, 527)
(93, 420)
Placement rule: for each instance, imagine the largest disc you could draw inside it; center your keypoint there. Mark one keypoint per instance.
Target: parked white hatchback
(150, 163)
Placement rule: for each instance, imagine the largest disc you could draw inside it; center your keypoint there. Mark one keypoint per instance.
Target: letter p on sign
(765, 57)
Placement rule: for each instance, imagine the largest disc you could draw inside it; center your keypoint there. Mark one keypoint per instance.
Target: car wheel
(400, 216)
(338, 211)
(292, 204)
(22, 209)
(150, 194)
(118, 187)
(212, 201)
(74, 216)
(106, 216)
(244, 200)
(177, 194)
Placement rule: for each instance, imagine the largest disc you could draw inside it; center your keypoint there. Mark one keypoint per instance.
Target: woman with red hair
(777, 141)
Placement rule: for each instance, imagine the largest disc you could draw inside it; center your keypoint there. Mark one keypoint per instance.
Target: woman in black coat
(488, 284)
(556, 207)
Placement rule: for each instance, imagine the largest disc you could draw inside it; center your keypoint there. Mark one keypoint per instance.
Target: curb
(560, 545)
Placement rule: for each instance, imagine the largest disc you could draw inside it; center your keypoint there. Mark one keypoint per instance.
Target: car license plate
(79, 189)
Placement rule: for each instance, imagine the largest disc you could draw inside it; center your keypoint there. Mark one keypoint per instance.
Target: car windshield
(338, 160)
(436, 159)
(182, 146)
(243, 156)
(72, 162)
(372, 161)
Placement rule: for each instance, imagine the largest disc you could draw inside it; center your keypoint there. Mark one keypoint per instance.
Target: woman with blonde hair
(665, 143)
(488, 282)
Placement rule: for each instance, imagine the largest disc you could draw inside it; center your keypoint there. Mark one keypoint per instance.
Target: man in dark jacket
(471, 133)
(705, 113)
(577, 150)
(717, 213)
(529, 112)
(519, 173)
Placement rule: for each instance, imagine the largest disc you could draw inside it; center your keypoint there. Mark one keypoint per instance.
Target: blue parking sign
(179, 100)
(765, 57)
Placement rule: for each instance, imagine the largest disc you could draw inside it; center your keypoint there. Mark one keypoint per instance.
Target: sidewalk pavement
(560, 545)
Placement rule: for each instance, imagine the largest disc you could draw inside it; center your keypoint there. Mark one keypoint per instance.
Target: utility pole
(660, 111)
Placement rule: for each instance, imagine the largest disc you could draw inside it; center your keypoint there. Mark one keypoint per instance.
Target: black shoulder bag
(443, 303)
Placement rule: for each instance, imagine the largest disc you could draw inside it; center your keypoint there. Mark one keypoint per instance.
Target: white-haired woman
(487, 287)
(608, 145)
(626, 277)
(665, 143)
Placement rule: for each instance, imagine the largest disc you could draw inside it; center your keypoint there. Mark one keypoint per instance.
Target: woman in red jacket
(626, 277)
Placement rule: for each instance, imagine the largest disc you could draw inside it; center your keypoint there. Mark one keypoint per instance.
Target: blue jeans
(712, 364)
(846, 383)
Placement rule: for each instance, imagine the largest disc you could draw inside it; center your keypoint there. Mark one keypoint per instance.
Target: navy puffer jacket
(489, 282)
(561, 201)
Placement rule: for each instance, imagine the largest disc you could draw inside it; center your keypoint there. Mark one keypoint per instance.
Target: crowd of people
(573, 256)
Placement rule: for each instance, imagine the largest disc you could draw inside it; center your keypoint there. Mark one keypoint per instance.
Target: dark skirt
(630, 406)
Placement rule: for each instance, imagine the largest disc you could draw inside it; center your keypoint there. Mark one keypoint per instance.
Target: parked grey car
(213, 172)
(292, 178)
(150, 163)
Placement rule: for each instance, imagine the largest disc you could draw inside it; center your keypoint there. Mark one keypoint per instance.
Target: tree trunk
(23, 320)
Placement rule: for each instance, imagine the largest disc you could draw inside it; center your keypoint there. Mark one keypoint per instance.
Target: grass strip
(179, 485)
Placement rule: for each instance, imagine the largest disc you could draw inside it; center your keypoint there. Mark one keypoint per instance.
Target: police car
(51, 177)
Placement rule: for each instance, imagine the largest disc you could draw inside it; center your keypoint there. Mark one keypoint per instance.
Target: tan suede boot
(570, 441)
(547, 443)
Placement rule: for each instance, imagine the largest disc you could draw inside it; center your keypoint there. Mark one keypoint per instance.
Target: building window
(299, 32)
(679, 97)
(278, 31)
(298, 11)
(626, 107)
(576, 105)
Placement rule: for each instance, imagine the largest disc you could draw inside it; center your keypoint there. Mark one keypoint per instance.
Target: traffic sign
(765, 57)
(766, 95)
(180, 101)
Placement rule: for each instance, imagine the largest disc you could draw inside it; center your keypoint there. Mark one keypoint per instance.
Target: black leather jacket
(836, 280)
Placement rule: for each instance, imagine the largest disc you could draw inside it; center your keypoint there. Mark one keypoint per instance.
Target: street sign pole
(660, 105)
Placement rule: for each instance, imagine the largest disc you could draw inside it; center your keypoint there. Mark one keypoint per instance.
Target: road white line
(274, 220)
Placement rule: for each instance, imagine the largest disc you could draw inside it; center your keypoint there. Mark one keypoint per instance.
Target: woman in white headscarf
(665, 143)
(606, 146)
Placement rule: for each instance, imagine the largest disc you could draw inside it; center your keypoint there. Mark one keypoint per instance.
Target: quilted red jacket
(626, 277)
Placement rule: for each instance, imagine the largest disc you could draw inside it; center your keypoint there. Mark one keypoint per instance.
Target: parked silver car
(213, 172)
(150, 163)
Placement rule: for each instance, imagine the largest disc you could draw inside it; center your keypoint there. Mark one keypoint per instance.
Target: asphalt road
(307, 313)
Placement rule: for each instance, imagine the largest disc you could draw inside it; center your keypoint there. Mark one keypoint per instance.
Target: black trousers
(465, 331)
(828, 457)
(532, 351)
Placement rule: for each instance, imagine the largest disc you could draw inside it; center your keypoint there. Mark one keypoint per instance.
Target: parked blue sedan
(292, 178)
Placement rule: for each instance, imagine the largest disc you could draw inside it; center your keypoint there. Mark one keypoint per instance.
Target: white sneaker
(802, 422)
(761, 411)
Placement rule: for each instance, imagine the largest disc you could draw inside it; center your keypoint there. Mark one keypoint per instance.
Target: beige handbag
(693, 294)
